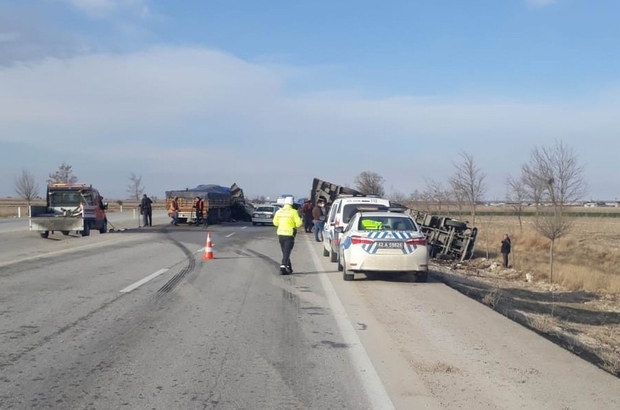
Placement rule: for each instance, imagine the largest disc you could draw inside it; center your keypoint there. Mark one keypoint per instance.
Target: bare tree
(516, 195)
(370, 183)
(468, 182)
(135, 188)
(26, 186)
(64, 175)
(436, 192)
(534, 186)
(556, 170)
(397, 196)
(416, 197)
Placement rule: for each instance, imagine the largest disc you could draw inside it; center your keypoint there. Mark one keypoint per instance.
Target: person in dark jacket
(505, 249)
(146, 208)
(318, 217)
(306, 211)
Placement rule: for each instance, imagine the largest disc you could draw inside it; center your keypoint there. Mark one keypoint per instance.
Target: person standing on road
(199, 205)
(287, 220)
(505, 249)
(174, 210)
(318, 217)
(146, 206)
(306, 211)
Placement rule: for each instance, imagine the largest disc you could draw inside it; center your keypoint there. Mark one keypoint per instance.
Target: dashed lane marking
(143, 281)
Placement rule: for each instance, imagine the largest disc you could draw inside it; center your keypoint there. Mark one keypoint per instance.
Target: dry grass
(588, 258)
(491, 299)
(543, 323)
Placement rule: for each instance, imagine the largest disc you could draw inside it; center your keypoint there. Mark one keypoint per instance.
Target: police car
(382, 242)
(343, 208)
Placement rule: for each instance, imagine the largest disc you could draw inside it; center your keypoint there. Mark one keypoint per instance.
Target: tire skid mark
(176, 279)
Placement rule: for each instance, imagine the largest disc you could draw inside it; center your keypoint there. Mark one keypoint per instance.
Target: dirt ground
(585, 323)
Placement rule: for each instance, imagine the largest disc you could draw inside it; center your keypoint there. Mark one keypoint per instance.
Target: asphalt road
(137, 320)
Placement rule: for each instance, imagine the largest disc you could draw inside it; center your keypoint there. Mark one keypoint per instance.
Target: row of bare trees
(552, 177)
(27, 188)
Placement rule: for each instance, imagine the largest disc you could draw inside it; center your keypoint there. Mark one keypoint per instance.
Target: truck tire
(346, 276)
(455, 224)
(104, 226)
(86, 230)
(45, 234)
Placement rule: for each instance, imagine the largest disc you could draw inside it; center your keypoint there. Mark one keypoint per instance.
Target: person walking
(146, 206)
(318, 216)
(505, 249)
(306, 211)
(174, 210)
(287, 220)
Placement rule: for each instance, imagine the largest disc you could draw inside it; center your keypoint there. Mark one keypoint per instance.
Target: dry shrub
(611, 360)
(543, 323)
(491, 299)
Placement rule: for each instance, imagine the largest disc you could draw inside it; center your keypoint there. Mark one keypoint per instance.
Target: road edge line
(366, 373)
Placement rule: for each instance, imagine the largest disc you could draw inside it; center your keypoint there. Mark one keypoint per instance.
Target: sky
(271, 94)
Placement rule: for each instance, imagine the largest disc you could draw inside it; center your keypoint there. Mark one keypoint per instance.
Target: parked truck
(69, 207)
(221, 204)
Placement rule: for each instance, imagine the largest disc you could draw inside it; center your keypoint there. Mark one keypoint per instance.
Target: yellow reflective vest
(371, 225)
(287, 220)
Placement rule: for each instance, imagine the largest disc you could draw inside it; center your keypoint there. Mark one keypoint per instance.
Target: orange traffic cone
(208, 253)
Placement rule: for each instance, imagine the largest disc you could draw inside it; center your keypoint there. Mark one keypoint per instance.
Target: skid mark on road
(176, 279)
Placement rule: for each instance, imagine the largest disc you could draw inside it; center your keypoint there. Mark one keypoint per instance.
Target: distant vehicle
(382, 242)
(283, 197)
(263, 215)
(340, 213)
(70, 207)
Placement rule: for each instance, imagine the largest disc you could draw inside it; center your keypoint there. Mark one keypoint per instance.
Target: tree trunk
(551, 262)
(520, 223)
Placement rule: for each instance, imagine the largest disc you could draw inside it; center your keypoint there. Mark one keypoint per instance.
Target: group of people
(314, 217)
(199, 206)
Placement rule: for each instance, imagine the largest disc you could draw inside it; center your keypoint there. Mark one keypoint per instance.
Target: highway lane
(9, 225)
(228, 333)
(231, 333)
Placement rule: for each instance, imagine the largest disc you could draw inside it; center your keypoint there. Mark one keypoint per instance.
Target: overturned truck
(446, 237)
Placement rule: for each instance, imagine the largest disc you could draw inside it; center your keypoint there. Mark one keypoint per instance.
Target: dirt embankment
(585, 323)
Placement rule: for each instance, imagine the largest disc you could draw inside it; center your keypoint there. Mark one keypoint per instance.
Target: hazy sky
(269, 94)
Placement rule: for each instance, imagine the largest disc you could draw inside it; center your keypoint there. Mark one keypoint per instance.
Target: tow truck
(69, 207)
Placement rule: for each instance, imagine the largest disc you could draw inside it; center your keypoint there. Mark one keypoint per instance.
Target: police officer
(287, 220)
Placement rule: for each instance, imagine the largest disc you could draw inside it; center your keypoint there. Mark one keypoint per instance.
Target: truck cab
(70, 207)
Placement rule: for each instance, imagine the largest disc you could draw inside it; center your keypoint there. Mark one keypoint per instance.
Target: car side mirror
(339, 229)
(105, 205)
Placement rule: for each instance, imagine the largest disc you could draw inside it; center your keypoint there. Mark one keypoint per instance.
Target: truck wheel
(455, 224)
(86, 230)
(65, 233)
(104, 226)
(45, 234)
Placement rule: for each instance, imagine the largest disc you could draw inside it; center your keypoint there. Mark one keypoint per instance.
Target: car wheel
(325, 251)
(65, 233)
(45, 234)
(421, 276)
(348, 277)
(333, 256)
(340, 267)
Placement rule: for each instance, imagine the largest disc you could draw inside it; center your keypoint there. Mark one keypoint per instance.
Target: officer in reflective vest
(288, 221)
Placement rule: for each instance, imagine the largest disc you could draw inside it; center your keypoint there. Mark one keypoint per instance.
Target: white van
(341, 212)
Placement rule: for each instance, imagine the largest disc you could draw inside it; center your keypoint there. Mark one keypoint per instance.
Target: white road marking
(143, 281)
(367, 374)
(230, 234)
(200, 250)
(245, 227)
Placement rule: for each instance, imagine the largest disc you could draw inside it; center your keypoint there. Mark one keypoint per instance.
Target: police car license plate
(390, 245)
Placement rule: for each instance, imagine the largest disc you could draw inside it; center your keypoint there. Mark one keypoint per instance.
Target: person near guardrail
(146, 209)
(505, 249)
(287, 220)
(318, 217)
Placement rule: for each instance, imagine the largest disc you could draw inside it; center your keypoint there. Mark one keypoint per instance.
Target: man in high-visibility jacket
(288, 221)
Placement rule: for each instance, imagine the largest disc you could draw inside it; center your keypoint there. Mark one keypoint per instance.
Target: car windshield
(69, 198)
(349, 210)
(264, 209)
(385, 223)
